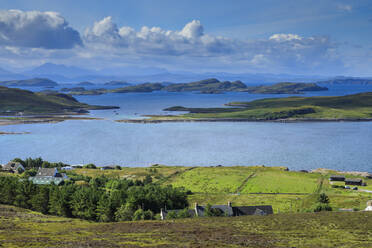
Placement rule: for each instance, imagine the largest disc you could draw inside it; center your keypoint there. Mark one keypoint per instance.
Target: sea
(345, 146)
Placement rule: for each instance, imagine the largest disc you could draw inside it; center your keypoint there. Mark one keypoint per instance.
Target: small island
(34, 82)
(356, 107)
(214, 86)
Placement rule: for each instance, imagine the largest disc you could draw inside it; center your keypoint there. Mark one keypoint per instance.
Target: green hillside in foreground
(14, 100)
(349, 107)
(286, 191)
(24, 228)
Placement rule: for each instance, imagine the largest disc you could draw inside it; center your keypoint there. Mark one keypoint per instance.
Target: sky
(318, 37)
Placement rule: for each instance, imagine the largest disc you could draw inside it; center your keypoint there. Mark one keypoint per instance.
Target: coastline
(290, 120)
(42, 119)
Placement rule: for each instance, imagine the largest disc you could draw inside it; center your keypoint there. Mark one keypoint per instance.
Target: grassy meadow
(24, 228)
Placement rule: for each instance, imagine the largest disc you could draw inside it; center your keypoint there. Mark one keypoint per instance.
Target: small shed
(353, 181)
(338, 178)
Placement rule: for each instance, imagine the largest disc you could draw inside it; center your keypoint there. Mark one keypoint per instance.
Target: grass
(286, 191)
(266, 181)
(156, 172)
(350, 107)
(23, 228)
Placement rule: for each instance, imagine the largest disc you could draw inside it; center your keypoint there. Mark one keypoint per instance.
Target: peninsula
(23, 106)
(356, 107)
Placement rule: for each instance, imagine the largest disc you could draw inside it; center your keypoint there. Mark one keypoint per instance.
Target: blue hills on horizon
(72, 74)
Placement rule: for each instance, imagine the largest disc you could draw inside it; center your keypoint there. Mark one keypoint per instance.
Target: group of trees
(35, 163)
(101, 199)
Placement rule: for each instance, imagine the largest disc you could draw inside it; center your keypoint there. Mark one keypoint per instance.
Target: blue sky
(298, 37)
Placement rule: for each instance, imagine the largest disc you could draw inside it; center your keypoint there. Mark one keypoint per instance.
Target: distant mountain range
(135, 74)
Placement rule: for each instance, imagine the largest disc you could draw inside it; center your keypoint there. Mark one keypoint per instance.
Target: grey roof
(47, 172)
(228, 210)
(253, 210)
(355, 180)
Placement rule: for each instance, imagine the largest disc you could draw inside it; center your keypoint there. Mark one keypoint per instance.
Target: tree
(84, 203)
(323, 198)
(118, 167)
(40, 201)
(323, 203)
(105, 209)
(213, 212)
(139, 214)
(184, 213)
(90, 166)
(124, 213)
(147, 180)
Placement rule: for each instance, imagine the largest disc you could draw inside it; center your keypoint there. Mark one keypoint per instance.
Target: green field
(24, 228)
(286, 191)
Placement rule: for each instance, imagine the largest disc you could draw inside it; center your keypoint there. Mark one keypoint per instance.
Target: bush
(138, 215)
(322, 207)
(323, 198)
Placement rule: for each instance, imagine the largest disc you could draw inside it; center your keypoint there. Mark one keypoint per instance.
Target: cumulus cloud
(190, 40)
(279, 50)
(36, 29)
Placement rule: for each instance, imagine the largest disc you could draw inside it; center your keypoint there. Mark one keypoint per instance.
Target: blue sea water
(336, 145)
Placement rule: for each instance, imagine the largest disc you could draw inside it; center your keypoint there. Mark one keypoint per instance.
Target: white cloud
(285, 37)
(345, 7)
(37, 30)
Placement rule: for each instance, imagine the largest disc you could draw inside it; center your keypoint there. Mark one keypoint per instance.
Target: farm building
(13, 167)
(225, 210)
(48, 176)
(338, 178)
(353, 181)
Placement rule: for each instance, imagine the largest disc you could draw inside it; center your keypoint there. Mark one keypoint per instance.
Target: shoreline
(43, 119)
(156, 121)
(13, 133)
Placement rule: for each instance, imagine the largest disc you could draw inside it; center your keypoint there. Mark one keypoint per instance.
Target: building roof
(46, 180)
(253, 210)
(47, 172)
(226, 209)
(355, 180)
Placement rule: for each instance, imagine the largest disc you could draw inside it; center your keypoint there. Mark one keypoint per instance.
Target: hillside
(327, 108)
(24, 228)
(39, 82)
(16, 100)
(285, 88)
